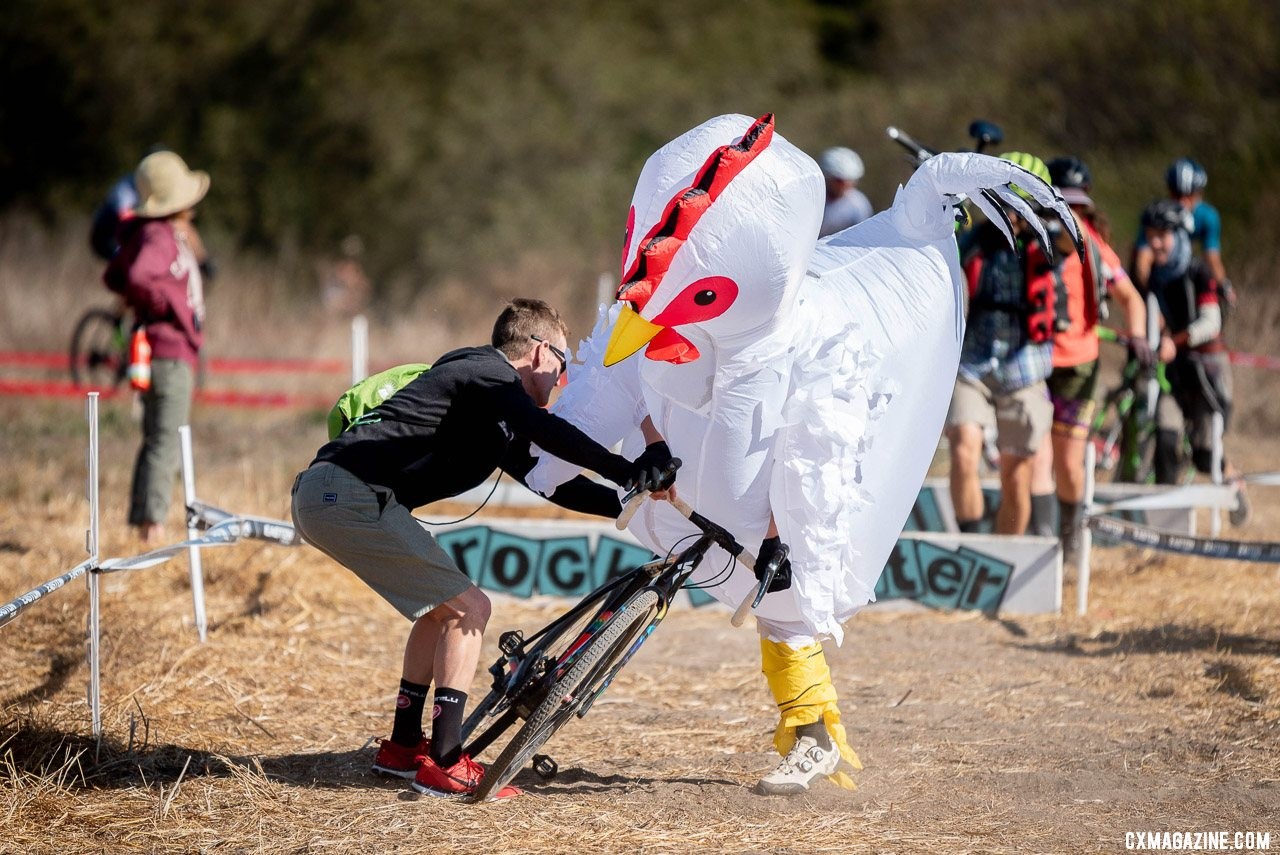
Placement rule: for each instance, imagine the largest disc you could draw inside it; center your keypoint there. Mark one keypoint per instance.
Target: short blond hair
(520, 321)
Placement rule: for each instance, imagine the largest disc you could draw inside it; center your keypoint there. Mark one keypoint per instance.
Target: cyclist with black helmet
(1199, 370)
(1186, 180)
(1089, 282)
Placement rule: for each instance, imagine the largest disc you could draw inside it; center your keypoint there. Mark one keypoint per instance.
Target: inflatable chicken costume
(800, 381)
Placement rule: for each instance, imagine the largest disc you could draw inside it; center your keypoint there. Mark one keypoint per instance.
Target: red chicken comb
(655, 252)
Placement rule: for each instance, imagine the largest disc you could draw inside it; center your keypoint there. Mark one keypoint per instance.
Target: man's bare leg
(966, 457)
(1015, 494)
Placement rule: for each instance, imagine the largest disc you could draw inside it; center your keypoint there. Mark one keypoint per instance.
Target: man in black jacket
(445, 432)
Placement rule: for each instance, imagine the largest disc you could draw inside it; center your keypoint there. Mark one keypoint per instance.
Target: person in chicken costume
(803, 383)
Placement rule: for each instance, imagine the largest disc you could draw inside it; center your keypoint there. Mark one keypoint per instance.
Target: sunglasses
(557, 352)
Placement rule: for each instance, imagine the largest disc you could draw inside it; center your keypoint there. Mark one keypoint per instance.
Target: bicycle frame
(523, 674)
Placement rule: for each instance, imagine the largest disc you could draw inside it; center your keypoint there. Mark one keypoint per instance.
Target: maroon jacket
(153, 277)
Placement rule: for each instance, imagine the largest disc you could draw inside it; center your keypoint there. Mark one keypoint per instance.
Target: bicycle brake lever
(766, 580)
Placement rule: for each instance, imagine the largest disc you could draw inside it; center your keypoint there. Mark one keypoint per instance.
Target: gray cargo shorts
(364, 528)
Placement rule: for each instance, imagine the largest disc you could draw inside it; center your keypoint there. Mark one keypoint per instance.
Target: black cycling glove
(654, 469)
(772, 549)
(1140, 351)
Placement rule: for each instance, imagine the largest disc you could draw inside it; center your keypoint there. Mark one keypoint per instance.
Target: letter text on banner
(510, 564)
(564, 567)
(467, 547)
(616, 557)
(986, 587)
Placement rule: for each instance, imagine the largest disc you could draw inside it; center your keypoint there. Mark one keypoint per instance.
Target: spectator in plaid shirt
(1006, 356)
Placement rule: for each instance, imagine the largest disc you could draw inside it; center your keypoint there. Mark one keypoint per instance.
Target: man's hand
(655, 469)
(1168, 350)
(773, 550)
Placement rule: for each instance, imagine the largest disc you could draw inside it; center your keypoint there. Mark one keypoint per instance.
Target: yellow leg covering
(801, 684)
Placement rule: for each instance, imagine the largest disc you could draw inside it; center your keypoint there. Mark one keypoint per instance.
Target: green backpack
(358, 405)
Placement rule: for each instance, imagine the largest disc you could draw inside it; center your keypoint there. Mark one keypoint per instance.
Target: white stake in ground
(1083, 555)
(1215, 470)
(91, 544)
(359, 348)
(193, 552)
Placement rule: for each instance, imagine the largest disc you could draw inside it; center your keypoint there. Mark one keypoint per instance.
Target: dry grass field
(1159, 710)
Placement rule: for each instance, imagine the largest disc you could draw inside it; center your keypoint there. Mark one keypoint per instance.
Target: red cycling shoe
(460, 780)
(399, 760)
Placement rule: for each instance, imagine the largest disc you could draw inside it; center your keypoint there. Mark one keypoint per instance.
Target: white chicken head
(722, 225)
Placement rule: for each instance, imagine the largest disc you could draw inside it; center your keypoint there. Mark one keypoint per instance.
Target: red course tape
(214, 397)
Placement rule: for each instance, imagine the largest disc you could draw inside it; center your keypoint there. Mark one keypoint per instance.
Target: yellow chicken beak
(630, 333)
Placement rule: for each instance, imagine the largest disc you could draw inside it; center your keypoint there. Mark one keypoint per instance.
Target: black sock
(407, 729)
(1069, 519)
(970, 526)
(816, 731)
(446, 726)
(1042, 513)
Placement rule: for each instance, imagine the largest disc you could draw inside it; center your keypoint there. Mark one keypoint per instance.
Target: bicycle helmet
(842, 164)
(1165, 215)
(1032, 164)
(1069, 171)
(1185, 177)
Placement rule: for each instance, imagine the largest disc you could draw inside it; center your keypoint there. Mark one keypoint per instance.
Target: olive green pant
(166, 406)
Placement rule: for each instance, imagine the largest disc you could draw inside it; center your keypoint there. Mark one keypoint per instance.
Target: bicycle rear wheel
(98, 348)
(592, 664)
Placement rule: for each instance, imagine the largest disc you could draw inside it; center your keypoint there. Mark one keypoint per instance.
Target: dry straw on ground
(1157, 711)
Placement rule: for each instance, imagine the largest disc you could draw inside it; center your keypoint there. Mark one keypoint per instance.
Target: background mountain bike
(1123, 432)
(99, 354)
(562, 669)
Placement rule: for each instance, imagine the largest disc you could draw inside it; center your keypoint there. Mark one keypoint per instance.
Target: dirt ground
(1158, 711)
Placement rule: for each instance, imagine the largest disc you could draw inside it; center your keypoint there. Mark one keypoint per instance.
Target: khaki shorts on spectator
(364, 528)
(1021, 419)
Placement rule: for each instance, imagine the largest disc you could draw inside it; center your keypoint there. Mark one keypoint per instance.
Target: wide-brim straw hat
(166, 185)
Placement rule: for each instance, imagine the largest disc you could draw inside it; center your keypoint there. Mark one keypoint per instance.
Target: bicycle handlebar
(718, 534)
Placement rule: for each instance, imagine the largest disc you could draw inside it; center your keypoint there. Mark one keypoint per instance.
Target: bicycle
(1123, 431)
(99, 353)
(562, 669)
(984, 134)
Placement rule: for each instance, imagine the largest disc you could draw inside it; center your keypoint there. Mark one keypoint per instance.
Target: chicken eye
(705, 298)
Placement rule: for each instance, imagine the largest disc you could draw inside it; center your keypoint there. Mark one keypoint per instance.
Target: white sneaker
(806, 762)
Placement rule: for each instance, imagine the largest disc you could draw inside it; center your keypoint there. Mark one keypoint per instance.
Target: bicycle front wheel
(592, 666)
(98, 348)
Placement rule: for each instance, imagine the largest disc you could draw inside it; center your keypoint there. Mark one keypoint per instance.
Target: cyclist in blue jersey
(1186, 180)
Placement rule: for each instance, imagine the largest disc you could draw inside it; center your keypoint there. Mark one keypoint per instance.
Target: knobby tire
(596, 658)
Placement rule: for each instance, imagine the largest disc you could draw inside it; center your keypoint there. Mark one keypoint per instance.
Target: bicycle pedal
(510, 641)
(545, 767)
